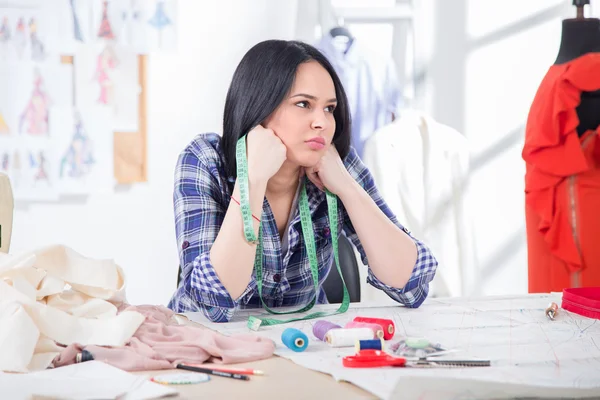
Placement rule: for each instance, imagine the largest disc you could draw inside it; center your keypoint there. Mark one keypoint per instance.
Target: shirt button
(326, 231)
(185, 245)
(277, 278)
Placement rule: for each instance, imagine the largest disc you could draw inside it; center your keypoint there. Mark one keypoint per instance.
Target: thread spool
(373, 344)
(376, 328)
(342, 337)
(417, 343)
(84, 356)
(387, 324)
(320, 328)
(294, 339)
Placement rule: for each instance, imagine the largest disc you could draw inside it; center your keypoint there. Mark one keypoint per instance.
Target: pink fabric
(159, 343)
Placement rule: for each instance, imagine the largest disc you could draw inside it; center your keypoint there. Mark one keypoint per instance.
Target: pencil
(214, 372)
(241, 371)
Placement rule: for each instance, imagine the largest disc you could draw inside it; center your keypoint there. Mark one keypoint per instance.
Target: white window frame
(401, 16)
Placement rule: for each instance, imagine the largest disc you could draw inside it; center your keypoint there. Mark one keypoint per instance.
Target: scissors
(378, 358)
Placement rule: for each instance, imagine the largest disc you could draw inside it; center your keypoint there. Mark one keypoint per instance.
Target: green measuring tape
(255, 323)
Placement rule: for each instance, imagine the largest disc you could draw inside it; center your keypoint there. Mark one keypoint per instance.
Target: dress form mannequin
(581, 36)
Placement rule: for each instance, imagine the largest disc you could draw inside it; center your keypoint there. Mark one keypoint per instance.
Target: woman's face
(304, 120)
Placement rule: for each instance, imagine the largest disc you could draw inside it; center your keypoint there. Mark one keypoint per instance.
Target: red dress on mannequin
(562, 181)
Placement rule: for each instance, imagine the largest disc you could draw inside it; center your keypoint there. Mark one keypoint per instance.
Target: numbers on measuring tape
(242, 175)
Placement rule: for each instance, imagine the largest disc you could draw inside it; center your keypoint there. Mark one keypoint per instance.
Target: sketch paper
(92, 379)
(162, 25)
(529, 353)
(28, 34)
(107, 76)
(132, 25)
(83, 144)
(75, 24)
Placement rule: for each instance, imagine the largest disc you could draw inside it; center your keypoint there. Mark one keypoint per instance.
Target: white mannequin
(6, 212)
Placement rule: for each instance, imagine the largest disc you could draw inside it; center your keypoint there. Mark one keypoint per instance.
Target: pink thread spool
(376, 328)
(387, 324)
(320, 329)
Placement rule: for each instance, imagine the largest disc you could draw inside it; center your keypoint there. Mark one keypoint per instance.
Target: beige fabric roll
(55, 295)
(6, 212)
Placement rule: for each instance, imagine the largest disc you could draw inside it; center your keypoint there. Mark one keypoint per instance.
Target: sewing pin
(551, 311)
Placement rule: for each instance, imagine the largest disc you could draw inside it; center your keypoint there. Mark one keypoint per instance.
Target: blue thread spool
(294, 339)
(373, 344)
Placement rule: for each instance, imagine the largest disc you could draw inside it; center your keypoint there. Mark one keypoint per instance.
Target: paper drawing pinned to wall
(5, 162)
(39, 163)
(130, 21)
(105, 63)
(77, 34)
(160, 20)
(17, 161)
(78, 159)
(105, 31)
(5, 33)
(37, 47)
(5, 38)
(16, 174)
(4, 130)
(20, 37)
(10, 164)
(35, 115)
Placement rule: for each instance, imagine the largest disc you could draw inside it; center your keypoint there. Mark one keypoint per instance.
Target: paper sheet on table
(525, 347)
(88, 380)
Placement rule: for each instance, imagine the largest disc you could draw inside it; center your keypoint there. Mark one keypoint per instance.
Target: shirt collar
(336, 55)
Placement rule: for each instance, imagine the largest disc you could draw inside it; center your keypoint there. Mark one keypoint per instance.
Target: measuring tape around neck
(255, 323)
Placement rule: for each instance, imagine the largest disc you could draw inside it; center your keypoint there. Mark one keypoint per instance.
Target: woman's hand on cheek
(266, 153)
(329, 173)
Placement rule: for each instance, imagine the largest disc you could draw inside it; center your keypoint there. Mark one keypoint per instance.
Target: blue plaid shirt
(201, 198)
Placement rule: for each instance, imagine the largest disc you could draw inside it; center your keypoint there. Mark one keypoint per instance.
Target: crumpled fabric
(54, 301)
(160, 343)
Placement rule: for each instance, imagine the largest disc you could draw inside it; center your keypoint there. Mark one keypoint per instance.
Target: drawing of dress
(41, 174)
(5, 162)
(37, 47)
(129, 17)
(16, 168)
(36, 112)
(4, 130)
(106, 61)
(20, 37)
(160, 20)
(79, 158)
(76, 27)
(5, 30)
(105, 30)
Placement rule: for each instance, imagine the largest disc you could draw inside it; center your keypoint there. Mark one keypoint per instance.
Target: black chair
(349, 266)
(333, 283)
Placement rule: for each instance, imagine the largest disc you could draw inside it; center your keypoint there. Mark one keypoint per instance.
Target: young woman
(288, 101)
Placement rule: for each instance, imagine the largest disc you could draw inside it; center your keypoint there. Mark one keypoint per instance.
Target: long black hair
(262, 81)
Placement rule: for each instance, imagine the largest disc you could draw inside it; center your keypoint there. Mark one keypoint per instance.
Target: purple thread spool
(320, 329)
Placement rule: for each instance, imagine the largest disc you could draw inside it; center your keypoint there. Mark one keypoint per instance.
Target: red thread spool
(387, 324)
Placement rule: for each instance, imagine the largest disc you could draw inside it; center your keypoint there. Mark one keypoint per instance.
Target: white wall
(134, 226)
(479, 66)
